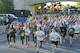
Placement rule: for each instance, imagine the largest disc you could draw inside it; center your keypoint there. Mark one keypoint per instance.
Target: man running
(63, 31)
(71, 31)
(40, 36)
(22, 35)
(76, 27)
(12, 33)
(7, 30)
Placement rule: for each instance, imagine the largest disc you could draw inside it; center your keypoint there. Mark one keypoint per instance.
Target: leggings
(8, 38)
(12, 36)
(22, 39)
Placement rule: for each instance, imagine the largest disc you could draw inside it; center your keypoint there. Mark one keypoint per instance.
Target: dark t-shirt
(63, 29)
(22, 33)
(13, 31)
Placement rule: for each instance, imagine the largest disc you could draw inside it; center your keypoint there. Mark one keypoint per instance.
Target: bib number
(52, 37)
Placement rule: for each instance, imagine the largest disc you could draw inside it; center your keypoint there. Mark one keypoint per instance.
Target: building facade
(28, 4)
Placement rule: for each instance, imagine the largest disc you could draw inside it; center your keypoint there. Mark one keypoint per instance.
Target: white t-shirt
(54, 36)
(40, 35)
(76, 28)
(24, 27)
(79, 27)
(27, 32)
(38, 25)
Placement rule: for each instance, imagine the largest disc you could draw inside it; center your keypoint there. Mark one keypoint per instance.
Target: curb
(2, 33)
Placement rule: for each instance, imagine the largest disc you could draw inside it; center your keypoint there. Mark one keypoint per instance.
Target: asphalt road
(66, 48)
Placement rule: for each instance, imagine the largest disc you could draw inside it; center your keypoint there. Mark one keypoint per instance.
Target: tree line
(6, 6)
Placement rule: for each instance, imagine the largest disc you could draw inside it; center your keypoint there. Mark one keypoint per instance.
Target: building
(28, 4)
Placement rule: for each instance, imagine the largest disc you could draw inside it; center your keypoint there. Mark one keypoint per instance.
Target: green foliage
(2, 8)
(6, 6)
(77, 5)
(36, 7)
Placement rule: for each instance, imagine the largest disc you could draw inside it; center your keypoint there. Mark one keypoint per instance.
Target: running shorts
(55, 42)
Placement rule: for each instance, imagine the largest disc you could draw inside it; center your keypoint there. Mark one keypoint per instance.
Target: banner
(22, 19)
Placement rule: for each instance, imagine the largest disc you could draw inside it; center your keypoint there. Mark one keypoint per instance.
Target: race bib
(31, 25)
(38, 36)
(9, 31)
(71, 30)
(52, 37)
(77, 30)
(22, 34)
(26, 32)
(33, 32)
(66, 22)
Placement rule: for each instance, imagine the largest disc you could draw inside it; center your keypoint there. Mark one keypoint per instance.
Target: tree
(2, 7)
(41, 5)
(8, 5)
(36, 7)
(77, 5)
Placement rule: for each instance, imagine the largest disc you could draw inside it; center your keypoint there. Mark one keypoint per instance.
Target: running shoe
(22, 46)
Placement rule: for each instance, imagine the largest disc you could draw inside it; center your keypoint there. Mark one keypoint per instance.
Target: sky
(68, 2)
(71, 3)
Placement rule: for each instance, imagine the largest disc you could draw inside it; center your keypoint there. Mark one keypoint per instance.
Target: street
(66, 48)
(39, 26)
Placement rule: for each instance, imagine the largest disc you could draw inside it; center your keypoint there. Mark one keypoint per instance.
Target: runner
(12, 33)
(7, 30)
(22, 35)
(46, 30)
(33, 33)
(79, 29)
(40, 36)
(54, 37)
(63, 33)
(31, 29)
(71, 31)
(76, 27)
(27, 34)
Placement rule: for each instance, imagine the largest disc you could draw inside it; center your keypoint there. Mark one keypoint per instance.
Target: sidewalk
(2, 37)
(2, 29)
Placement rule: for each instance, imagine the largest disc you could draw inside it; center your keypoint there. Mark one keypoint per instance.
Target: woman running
(54, 37)
(27, 34)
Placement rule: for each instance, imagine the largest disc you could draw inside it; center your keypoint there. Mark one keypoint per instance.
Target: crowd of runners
(49, 28)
